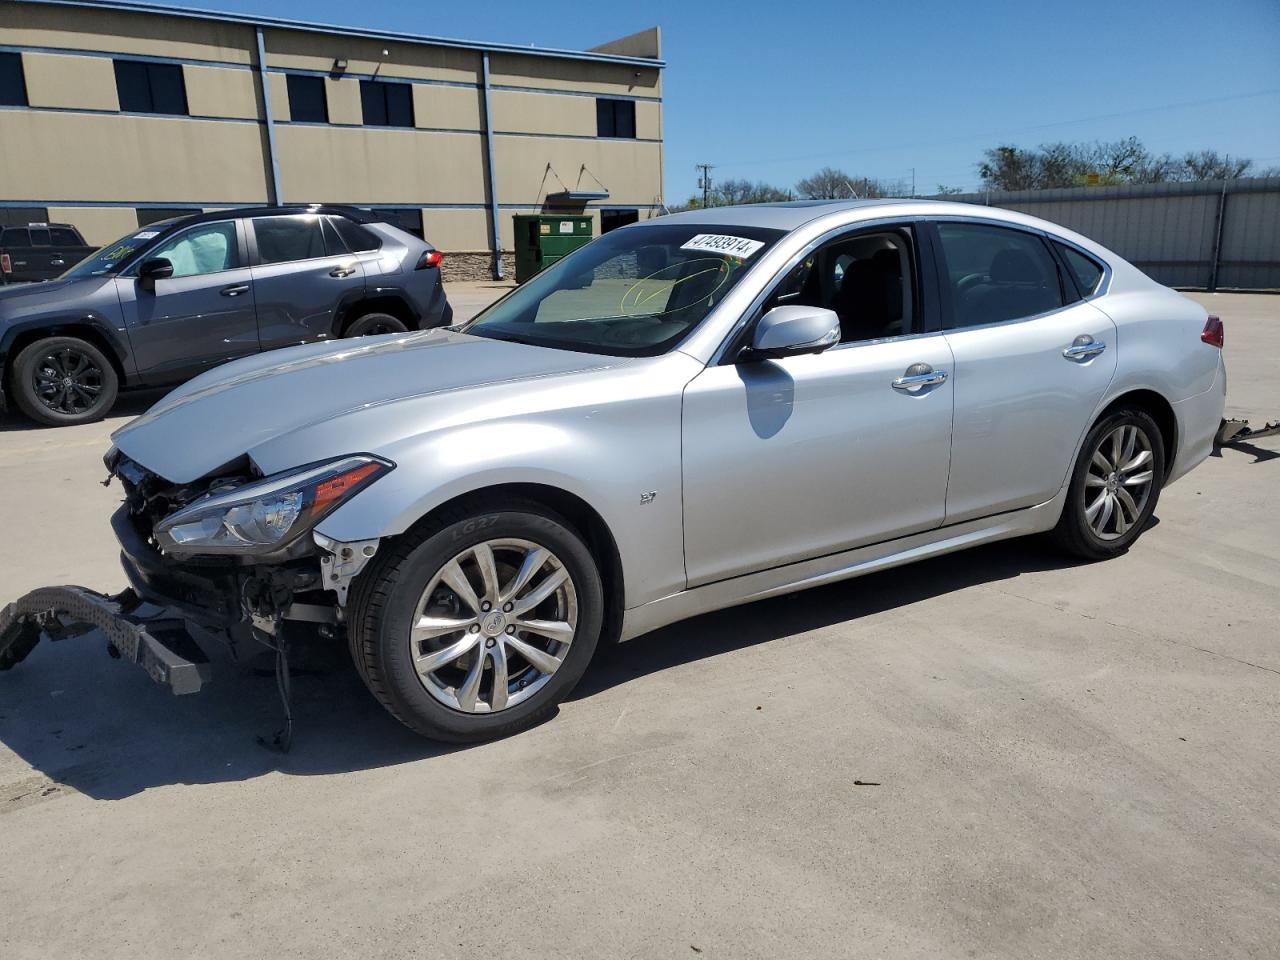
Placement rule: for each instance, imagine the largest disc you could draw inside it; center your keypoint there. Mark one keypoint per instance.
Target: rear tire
(373, 324)
(1114, 487)
(481, 657)
(64, 381)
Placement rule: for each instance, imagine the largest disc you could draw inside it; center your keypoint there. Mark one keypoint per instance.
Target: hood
(20, 299)
(227, 412)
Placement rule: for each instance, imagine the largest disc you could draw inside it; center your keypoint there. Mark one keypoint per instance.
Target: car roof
(351, 213)
(790, 214)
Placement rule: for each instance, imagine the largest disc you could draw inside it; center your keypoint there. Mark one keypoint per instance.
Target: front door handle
(1084, 347)
(917, 377)
(342, 272)
(235, 290)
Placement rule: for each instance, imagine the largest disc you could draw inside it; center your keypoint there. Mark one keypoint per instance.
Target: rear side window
(64, 237)
(996, 274)
(13, 84)
(15, 237)
(40, 236)
(285, 239)
(1087, 271)
(356, 237)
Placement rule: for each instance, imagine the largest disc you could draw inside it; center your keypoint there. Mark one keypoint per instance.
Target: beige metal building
(116, 114)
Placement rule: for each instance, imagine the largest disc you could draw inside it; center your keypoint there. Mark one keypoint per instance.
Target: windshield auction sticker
(728, 246)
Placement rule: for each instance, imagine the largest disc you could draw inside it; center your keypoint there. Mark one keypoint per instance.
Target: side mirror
(157, 268)
(791, 330)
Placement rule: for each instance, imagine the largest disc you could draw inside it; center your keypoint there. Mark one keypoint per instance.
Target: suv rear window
(356, 237)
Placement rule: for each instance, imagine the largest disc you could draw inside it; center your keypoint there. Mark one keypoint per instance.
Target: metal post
(1217, 238)
(272, 159)
(493, 174)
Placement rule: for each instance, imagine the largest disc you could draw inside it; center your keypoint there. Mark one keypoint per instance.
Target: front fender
(610, 439)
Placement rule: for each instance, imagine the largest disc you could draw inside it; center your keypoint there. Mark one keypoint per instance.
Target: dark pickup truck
(40, 251)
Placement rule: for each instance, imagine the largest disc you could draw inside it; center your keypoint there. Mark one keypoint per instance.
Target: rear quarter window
(356, 237)
(1087, 271)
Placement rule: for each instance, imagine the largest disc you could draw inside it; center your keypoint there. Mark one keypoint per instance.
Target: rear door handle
(342, 271)
(1084, 347)
(235, 290)
(917, 377)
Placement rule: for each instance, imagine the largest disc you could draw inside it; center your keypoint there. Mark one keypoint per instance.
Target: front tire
(1114, 488)
(480, 624)
(64, 381)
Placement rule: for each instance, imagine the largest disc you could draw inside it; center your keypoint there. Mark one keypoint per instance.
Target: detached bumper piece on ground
(1239, 431)
(134, 630)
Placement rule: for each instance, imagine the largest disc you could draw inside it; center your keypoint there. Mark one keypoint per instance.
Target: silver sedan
(689, 413)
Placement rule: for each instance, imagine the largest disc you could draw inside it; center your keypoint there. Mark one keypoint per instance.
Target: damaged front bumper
(134, 629)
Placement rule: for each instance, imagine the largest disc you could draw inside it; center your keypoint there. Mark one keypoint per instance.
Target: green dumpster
(542, 239)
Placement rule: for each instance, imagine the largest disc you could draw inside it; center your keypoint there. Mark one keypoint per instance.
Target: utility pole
(913, 181)
(704, 182)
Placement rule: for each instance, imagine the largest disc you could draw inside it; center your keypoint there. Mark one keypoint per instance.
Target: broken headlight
(265, 515)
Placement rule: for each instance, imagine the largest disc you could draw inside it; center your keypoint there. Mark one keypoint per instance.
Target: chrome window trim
(718, 357)
(1104, 285)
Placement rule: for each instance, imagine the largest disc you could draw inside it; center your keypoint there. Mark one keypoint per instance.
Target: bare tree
(827, 184)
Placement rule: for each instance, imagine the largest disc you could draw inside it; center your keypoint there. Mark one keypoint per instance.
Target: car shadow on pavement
(130, 404)
(100, 727)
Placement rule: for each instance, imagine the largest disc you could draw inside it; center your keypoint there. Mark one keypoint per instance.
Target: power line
(1008, 131)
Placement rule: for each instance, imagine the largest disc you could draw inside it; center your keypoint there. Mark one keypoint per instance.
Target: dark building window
(613, 219)
(307, 100)
(616, 118)
(13, 85)
(21, 216)
(410, 221)
(150, 87)
(386, 104)
(151, 215)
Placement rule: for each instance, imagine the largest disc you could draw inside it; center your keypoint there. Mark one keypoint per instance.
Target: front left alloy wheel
(63, 381)
(480, 625)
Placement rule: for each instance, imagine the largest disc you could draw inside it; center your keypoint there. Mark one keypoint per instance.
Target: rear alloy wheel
(1114, 487)
(374, 324)
(479, 627)
(61, 381)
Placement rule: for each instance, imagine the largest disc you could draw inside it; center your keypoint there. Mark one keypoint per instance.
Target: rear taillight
(432, 258)
(1212, 333)
(6, 265)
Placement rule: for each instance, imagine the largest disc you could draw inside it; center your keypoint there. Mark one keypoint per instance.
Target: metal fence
(1209, 235)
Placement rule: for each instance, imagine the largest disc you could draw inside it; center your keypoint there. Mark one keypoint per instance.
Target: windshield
(633, 292)
(108, 259)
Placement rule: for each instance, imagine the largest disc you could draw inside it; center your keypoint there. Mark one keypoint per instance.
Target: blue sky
(773, 91)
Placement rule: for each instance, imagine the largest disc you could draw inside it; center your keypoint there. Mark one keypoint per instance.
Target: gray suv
(175, 298)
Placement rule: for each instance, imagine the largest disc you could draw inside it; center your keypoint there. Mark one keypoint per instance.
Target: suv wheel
(61, 381)
(480, 625)
(372, 324)
(1114, 487)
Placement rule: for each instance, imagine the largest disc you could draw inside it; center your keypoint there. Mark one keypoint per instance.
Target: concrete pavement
(993, 754)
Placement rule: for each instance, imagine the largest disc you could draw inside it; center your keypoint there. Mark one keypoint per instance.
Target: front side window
(1087, 271)
(997, 274)
(13, 83)
(868, 279)
(615, 118)
(113, 256)
(284, 239)
(64, 237)
(632, 292)
(145, 87)
(307, 102)
(386, 104)
(208, 248)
